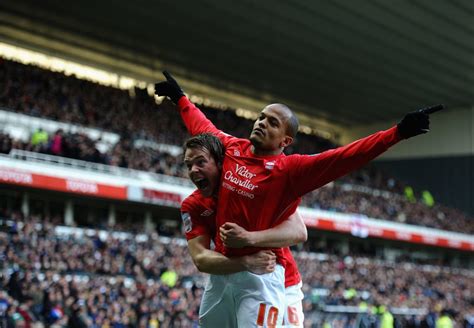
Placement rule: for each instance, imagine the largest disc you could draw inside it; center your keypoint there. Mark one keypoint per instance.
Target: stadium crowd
(66, 280)
(398, 284)
(38, 92)
(340, 197)
(145, 280)
(79, 146)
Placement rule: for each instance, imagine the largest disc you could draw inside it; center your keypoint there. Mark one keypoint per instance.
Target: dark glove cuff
(176, 97)
(400, 131)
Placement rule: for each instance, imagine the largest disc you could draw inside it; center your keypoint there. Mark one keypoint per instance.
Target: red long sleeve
(309, 172)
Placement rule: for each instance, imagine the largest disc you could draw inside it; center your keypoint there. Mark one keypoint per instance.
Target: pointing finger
(431, 109)
(168, 76)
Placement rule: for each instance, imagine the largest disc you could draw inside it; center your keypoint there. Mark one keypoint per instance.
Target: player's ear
(286, 142)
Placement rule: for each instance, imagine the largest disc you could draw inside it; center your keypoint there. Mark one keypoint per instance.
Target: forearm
(313, 171)
(196, 122)
(284, 235)
(215, 263)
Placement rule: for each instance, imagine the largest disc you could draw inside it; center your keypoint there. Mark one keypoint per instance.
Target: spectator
(56, 147)
(39, 137)
(122, 281)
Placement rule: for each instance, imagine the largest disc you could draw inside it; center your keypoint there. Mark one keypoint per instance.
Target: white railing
(21, 126)
(96, 167)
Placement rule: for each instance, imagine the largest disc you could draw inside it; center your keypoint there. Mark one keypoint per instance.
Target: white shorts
(244, 299)
(294, 316)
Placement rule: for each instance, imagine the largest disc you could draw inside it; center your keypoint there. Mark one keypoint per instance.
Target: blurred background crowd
(82, 278)
(136, 117)
(58, 279)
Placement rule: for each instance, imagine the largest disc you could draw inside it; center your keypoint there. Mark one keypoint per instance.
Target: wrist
(182, 102)
(177, 97)
(251, 238)
(244, 261)
(398, 131)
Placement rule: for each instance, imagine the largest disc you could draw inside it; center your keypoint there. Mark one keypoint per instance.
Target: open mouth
(201, 183)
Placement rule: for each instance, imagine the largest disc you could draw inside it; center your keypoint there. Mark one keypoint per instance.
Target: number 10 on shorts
(272, 316)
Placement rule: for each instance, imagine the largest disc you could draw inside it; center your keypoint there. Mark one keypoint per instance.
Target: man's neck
(264, 152)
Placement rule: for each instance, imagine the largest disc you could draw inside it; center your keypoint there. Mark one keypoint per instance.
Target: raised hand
(417, 122)
(169, 88)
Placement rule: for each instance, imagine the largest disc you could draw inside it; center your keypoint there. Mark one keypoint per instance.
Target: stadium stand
(375, 203)
(66, 275)
(54, 274)
(131, 131)
(40, 93)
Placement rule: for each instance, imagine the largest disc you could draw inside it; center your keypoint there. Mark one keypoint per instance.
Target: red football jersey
(199, 218)
(199, 215)
(256, 191)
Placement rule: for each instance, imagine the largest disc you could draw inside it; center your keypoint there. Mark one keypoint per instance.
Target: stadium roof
(349, 62)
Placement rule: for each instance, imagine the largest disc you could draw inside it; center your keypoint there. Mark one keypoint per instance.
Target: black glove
(417, 122)
(169, 88)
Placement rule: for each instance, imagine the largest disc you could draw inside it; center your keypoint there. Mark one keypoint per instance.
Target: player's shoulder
(297, 157)
(197, 202)
(235, 141)
(281, 159)
(194, 200)
(237, 147)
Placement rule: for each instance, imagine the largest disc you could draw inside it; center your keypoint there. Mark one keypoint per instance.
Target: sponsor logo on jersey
(242, 177)
(240, 181)
(269, 165)
(243, 171)
(187, 224)
(207, 213)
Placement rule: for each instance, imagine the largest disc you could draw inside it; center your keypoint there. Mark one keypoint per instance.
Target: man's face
(203, 170)
(270, 129)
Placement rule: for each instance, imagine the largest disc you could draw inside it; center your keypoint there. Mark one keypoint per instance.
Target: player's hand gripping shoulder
(169, 88)
(233, 235)
(259, 263)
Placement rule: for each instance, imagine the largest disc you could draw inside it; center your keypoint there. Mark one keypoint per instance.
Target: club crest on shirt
(269, 165)
(236, 153)
(187, 224)
(207, 213)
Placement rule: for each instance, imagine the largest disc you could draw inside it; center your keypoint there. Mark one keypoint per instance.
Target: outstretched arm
(310, 172)
(212, 262)
(290, 232)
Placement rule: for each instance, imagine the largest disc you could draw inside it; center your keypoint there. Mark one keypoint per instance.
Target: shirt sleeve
(309, 172)
(286, 213)
(197, 123)
(193, 223)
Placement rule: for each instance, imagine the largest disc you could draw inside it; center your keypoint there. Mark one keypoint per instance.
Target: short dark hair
(209, 142)
(292, 125)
